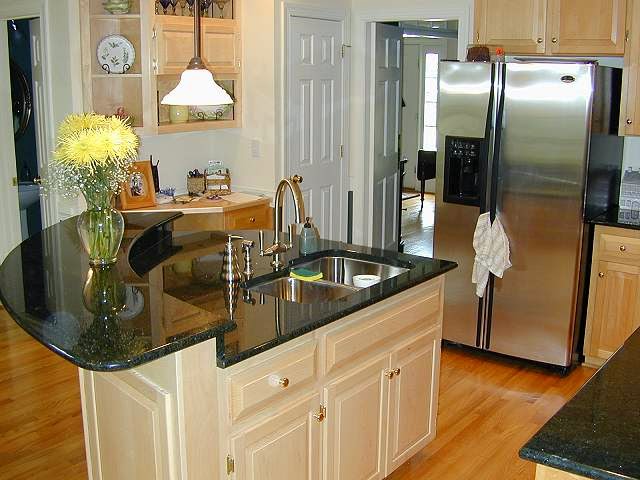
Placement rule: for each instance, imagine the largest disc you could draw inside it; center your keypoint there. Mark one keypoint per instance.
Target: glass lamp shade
(197, 87)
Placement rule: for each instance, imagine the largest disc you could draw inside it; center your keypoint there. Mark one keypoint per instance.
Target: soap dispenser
(308, 238)
(230, 269)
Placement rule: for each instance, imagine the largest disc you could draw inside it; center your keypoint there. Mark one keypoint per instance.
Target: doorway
(422, 45)
(426, 43)
(26, 80)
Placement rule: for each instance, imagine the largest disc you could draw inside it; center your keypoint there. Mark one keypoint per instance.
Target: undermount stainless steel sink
(341, 270)
(337, 282)
(300, 291)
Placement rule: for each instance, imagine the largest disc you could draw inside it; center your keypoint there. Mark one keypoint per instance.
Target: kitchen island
(597, 434)
(188, 378)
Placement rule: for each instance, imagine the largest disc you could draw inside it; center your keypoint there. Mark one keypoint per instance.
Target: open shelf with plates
(162, 46)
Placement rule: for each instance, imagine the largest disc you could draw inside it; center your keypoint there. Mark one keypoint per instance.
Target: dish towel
(491, 245)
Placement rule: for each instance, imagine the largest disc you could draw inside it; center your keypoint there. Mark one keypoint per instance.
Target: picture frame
(139, 190)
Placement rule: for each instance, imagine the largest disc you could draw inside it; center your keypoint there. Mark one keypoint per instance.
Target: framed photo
(138, 191)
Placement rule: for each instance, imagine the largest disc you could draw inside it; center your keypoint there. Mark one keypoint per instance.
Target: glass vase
(101, 228)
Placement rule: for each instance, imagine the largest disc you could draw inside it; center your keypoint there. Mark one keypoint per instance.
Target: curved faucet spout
(298, 201)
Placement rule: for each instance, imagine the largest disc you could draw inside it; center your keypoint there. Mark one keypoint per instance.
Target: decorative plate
(134, 304)
(116, 54)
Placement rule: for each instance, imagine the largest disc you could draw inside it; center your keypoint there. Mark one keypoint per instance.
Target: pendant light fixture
(197, 86)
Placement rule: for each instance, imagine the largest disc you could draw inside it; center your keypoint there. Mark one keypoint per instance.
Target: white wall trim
(287, 11)
(361, 118)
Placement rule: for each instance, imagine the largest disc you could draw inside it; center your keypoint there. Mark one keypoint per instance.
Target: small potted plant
(94, 156)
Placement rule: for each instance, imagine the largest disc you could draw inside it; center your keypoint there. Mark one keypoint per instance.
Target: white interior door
(10, 211)
(386, 142)
(39, 112)
(314, 118)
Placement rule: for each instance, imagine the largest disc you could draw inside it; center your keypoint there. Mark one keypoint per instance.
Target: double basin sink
(337, 270)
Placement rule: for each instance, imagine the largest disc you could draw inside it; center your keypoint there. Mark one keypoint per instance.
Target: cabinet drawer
(271, 379)
(248, 218)
(355, 338)
(620, 248)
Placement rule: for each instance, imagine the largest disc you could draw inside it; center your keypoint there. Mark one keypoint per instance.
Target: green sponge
(305, 274)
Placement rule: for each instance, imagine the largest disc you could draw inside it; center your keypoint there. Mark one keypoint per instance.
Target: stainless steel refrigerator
(536, 144)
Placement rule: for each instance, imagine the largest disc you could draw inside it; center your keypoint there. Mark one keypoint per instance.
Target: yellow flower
(76, 123)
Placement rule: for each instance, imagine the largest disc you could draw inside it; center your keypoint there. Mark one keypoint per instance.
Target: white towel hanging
(491, 245)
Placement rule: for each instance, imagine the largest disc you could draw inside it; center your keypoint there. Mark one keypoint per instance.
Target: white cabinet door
(356, 423)
(413, 399)
(285, 446)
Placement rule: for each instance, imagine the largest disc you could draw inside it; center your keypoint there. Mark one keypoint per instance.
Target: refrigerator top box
(536, 144)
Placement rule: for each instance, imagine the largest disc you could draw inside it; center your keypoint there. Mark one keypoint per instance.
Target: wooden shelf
(165, 128)
(116, 75)
(109, 16)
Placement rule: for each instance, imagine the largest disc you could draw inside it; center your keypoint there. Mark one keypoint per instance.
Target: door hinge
(343, 50)
(626, 36)
(321, 415)
(231, 465)
(154, 33)
(14, 181)
(341, 151)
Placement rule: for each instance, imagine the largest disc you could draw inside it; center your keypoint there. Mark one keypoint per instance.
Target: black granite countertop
(617, 217)
(164, 294)
(597, 434)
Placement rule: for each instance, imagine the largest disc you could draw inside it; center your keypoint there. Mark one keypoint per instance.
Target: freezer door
(463, 106)
(541, 172)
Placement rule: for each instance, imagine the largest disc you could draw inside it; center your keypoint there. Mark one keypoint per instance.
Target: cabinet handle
(252, 219)
(276, 381)
(389, 374)
(321, 415)
(601, 274)
(623, 248)
(554, 40)
(629, 121)
(284, 382)
(396, 371)
(539, 40)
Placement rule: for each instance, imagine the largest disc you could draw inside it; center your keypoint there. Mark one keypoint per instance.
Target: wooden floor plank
(488, 408)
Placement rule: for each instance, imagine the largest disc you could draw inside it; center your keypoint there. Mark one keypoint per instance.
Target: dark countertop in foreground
(617, 217)
(174, 298)
(597, 434)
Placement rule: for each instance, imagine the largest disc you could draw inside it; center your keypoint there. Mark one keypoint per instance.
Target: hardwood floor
(417, 226)
(488, 408)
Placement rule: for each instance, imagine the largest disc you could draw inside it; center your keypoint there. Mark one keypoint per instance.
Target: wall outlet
(255, 148)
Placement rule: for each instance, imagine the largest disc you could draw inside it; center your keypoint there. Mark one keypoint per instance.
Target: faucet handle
(231, 238)
(247, 245)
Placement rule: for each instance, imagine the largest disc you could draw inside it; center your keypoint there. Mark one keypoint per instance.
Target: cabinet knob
(539, 40)
(623, 248)
(396, 371)
(629, 121)
(389, 374)
(283, 382)
(601, 274)
(252, 219)
(554, 40)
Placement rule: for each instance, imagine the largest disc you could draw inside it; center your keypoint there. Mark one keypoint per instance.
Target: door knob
(601, 274)
(554, 40)
(629, 121)
(389, 374)
(623, 248)
(396, 371)
(539, 40)
(37, 181)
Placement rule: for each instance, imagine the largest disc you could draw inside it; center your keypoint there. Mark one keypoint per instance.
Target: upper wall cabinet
(517, 25)
(131, 60)
(552, 27)
(586, 27)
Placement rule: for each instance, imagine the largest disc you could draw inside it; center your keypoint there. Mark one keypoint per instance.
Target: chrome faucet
(278, 246)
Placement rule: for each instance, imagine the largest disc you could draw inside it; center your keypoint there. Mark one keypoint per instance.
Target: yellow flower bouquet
(94, 156)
